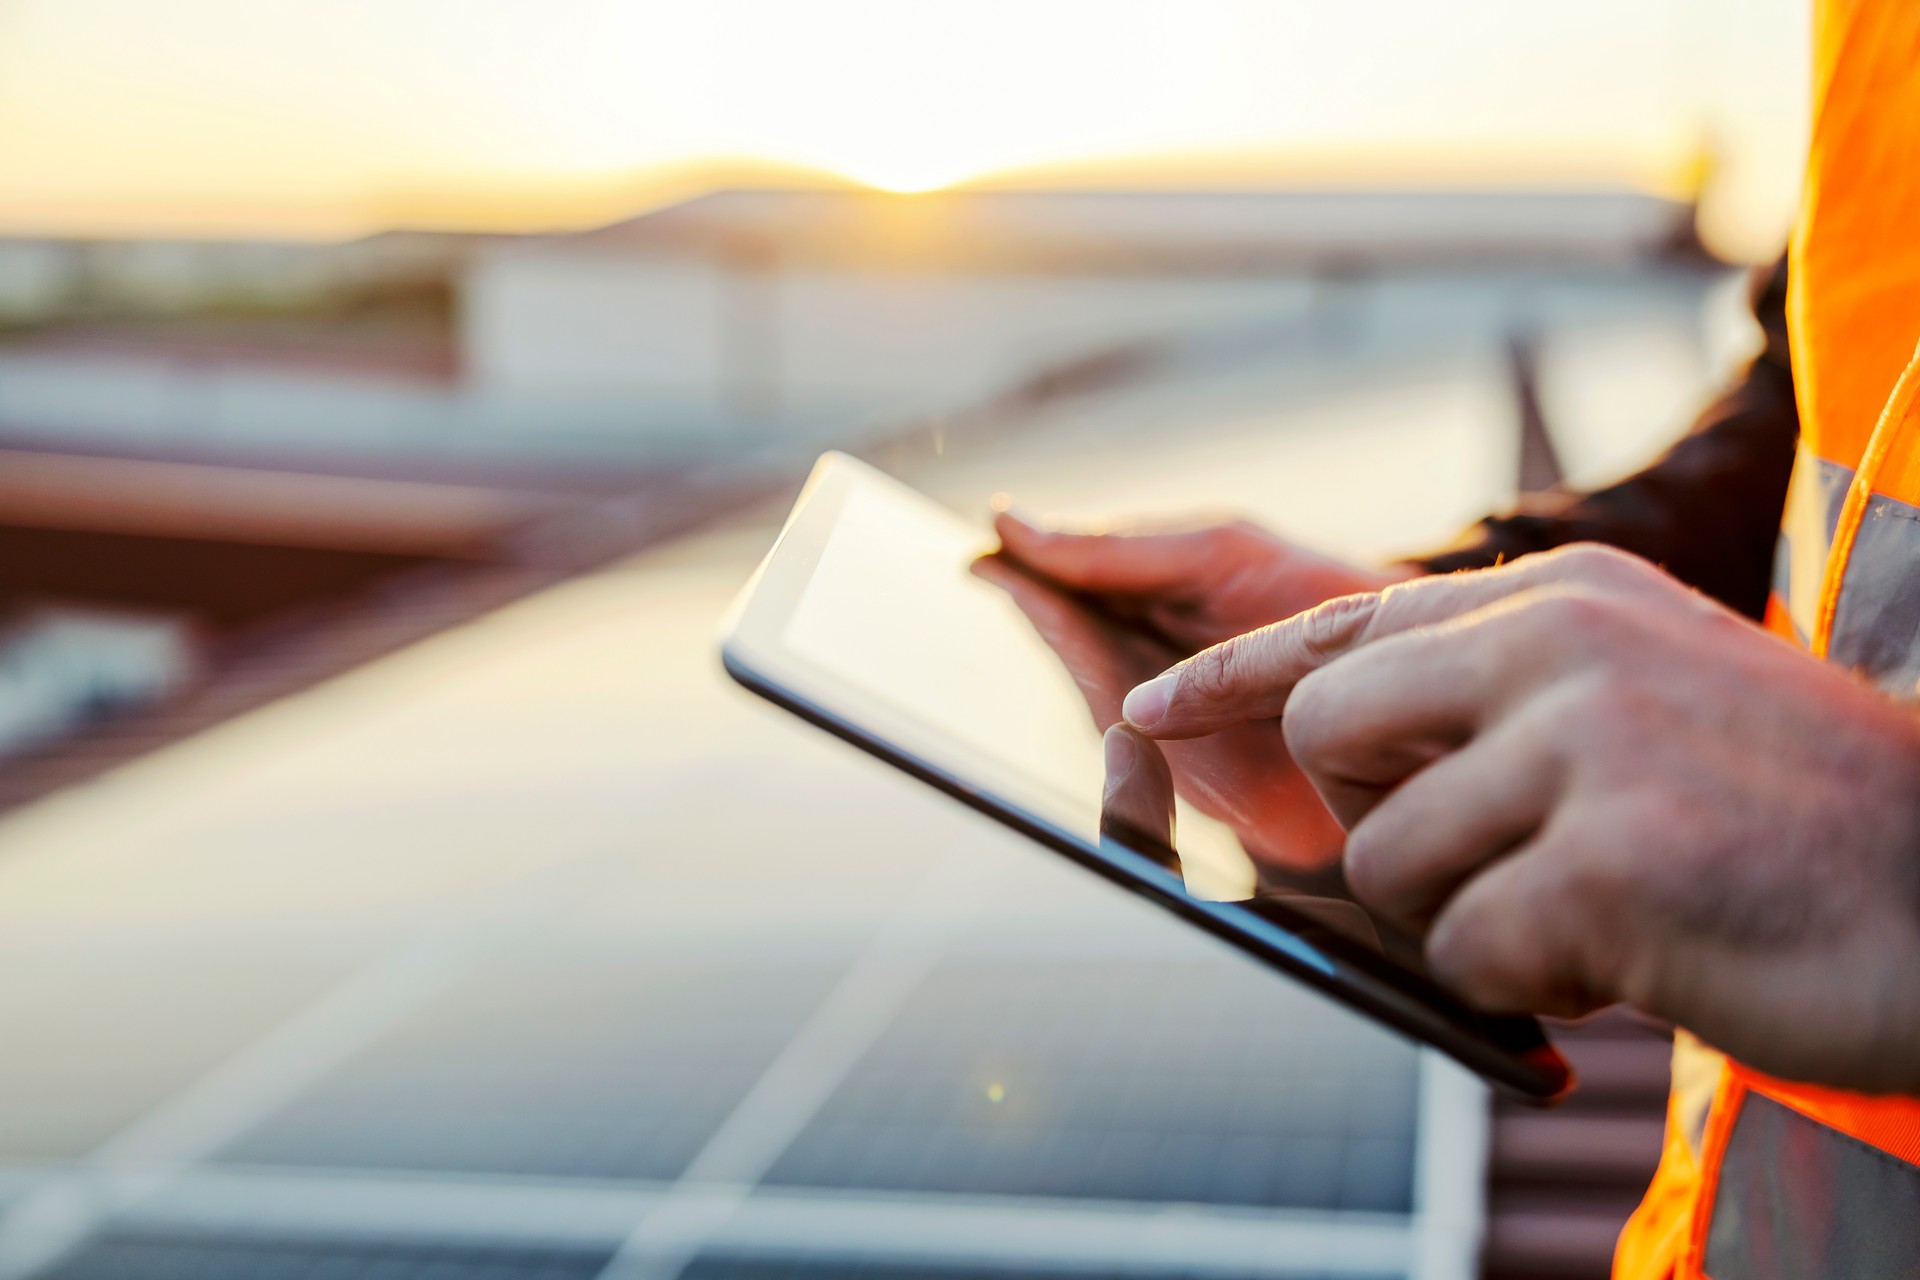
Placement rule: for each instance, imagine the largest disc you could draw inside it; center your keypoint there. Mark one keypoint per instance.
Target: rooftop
(1145, 230)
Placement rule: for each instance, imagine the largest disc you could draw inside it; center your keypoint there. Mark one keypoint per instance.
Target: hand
(1197, 584)
(1587, 784)
(1243, 777)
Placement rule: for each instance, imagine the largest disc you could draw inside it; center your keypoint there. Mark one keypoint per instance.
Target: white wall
(566, 323)
(35, 276)
(796, 346)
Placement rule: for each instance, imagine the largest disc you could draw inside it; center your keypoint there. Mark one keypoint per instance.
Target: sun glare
(903, 182)
(906, 176)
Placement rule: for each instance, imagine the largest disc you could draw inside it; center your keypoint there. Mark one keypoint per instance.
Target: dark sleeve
(1708, 510)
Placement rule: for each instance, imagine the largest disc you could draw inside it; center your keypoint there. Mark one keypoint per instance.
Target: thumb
(1144, 562)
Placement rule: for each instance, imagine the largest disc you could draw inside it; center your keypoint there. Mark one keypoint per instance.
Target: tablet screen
(894, 622)
(1025, 681)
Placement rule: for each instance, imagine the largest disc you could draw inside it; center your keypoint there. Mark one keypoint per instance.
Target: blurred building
(209, 438)
(744, 317)
(762, 315)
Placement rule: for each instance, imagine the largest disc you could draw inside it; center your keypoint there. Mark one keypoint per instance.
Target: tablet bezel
(754, 655)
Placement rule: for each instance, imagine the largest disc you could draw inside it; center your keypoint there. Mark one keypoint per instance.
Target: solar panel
(1115, 1079)
(620, 1069)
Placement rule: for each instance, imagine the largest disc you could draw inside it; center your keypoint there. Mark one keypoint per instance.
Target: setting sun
(906, 175)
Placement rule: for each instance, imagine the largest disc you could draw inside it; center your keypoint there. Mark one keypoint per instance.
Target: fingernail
(1120, 755)
(1147, 705)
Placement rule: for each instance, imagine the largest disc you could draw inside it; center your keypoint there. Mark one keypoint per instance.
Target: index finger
(1251, 676)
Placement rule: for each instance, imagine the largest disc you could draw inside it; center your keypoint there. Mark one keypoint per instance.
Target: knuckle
(1586, 555)
(1556, 720)
(1602, 697)
(1403, 605)
(1242, 531)
(1464, 959)
(1328, 627)
(1503, 952)
(1595, 627)
(1232, 539)
(1539, 725)
(1585, 904)
(1575, 612)
(1574, 887)
(1218, 539)
(1593, 905)
(1598, 562)
(1611, 710)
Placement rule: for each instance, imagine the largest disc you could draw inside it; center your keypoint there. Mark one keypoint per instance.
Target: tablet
(888, 620)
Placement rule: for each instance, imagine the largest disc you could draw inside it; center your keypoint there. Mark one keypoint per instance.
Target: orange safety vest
(1761, 1179)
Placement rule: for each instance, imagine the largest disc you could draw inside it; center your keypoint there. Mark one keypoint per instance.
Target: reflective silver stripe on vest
(1814, 499)
(1877, 628)
(1801, 1201)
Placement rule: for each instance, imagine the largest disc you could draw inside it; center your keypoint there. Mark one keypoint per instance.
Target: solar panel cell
(1044, 1079)
(614, 1071)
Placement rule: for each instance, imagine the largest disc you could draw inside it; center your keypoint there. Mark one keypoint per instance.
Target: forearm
(1708, 511)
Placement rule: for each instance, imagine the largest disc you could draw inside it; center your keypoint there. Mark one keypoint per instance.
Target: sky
(328, 117)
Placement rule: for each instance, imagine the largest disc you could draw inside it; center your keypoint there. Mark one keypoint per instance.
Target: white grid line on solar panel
(1450, 1171)
(1110, 1237)
(60, 1213)
(800, 1080)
